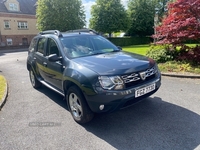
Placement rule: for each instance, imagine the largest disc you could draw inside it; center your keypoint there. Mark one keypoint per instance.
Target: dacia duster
(92, 74)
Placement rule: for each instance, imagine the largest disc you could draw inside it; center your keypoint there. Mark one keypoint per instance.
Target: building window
(6, 24)
(13, 7)
(24, 41)
(9, 42)
(22, 25)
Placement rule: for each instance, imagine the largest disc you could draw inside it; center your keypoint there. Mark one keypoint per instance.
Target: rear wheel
(35, 83)
(77, 106)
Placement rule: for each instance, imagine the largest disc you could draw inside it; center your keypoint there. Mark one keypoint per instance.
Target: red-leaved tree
(182, 23)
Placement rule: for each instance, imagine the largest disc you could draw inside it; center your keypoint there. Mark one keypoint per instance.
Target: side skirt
(52, 88)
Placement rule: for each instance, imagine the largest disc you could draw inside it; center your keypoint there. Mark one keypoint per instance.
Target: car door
(40, 57)
(54, 70)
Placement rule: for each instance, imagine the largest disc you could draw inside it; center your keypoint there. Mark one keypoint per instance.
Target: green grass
(142, 49)
(192, 45)
(139, 49)
(2, 86)
(172, 66)
(181, 67)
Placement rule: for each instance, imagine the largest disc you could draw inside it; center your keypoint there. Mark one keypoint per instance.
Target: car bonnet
(115, 63)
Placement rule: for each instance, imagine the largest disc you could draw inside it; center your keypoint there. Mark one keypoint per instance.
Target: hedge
(126, 41)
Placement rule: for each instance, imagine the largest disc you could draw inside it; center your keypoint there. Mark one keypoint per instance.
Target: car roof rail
(56, 32)
(83, 30)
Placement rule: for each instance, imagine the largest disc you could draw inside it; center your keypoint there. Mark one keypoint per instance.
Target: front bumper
(114, 100)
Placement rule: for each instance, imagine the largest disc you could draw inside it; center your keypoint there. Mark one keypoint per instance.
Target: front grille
(131, 77)
(150, 72)
(134, 79)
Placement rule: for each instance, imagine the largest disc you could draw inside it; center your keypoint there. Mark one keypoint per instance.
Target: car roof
(69, 33)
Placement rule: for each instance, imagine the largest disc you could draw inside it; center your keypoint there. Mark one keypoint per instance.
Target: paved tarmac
(38, 119)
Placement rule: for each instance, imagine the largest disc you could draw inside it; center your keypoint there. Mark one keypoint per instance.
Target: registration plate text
(145, 90)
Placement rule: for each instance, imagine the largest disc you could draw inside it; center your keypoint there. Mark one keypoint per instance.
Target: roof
(26, 7)
(84, 31)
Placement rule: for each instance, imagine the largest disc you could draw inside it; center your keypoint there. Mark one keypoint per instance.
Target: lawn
(142, 49)
(139, 49)
(168, 66)
(2, 86)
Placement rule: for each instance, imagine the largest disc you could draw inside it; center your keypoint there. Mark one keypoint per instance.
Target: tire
(78, 107)
(35, 83)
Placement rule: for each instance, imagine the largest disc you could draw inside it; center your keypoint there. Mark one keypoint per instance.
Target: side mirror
(120, 48)
(54, 58)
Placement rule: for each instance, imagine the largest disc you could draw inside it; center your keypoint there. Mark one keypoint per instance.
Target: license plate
(145, 90)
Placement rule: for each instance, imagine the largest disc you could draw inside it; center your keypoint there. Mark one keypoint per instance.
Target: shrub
(188, 54)
(162, 53)
(126, 41)
(174, 66)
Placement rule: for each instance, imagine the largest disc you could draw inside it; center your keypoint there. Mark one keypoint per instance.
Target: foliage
(182, 23)
(61, 15)
(161, 8)
(108, 16)
(169, 66)
(175, 66)
(127, 41)
(161, 53)
(183, 53)
(141, 14)
(190, 55)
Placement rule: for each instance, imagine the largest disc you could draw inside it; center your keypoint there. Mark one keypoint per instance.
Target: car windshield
(80, 46)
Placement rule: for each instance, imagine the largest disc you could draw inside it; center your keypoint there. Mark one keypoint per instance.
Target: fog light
(119, 87)
(101, 107)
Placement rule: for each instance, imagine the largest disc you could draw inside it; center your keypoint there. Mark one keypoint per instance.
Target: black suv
(93, 74)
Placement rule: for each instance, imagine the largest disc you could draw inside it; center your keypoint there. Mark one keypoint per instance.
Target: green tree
(141, 13)
(161, 7)
(108, 16)
(61, 15)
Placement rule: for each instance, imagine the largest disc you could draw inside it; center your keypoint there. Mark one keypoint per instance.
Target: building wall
(17, 36)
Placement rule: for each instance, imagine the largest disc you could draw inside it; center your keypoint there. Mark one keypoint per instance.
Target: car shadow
(57, 98)
(150, 124)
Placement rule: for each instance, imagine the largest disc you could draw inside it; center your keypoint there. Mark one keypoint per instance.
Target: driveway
(39, 119)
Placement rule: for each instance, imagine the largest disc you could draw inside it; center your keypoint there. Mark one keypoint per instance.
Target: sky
(88, 3)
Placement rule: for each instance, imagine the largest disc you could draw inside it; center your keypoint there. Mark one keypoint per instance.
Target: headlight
(111, 83)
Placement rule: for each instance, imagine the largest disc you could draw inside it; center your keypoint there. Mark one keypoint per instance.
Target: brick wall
(16, 40)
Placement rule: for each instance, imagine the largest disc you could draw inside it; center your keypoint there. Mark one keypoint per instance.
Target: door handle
(44, 64)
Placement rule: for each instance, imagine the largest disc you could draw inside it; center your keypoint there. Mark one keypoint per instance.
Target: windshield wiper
(116, 50)
(97, 53)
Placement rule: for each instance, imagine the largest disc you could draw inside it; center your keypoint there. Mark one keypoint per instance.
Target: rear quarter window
(33, 45)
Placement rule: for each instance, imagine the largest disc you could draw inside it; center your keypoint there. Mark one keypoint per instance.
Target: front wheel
(35, 83)
(77, 106)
